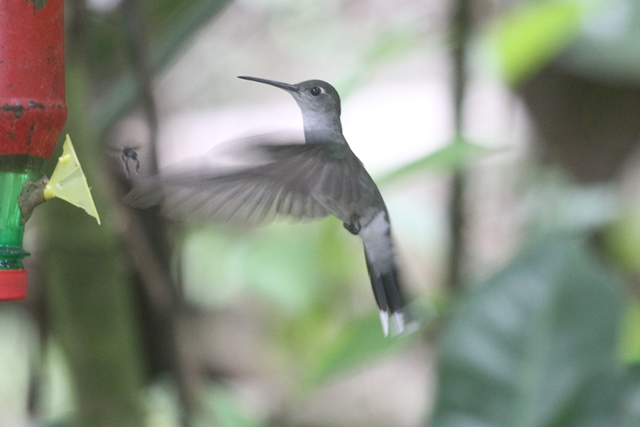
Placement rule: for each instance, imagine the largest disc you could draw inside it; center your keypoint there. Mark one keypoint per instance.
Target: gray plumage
(309, 180)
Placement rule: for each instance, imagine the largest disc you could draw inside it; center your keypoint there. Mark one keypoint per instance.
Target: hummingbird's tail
(378, 251)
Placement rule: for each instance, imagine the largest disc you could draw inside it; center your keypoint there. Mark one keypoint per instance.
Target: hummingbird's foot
(353, 226)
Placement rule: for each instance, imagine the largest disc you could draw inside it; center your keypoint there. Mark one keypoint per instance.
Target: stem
(90, 298)
(460, 24)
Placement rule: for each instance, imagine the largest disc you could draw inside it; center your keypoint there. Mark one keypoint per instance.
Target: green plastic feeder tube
(15, 171)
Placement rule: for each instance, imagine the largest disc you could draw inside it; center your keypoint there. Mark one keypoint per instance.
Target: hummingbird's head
(315, 96)
(319, 102)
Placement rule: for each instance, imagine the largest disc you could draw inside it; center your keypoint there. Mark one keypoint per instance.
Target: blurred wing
(295, 180)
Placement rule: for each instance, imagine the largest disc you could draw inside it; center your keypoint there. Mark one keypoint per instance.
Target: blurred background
(503, 135)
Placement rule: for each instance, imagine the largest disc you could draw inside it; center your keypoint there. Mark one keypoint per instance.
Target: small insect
(130, 153)
(127, 153)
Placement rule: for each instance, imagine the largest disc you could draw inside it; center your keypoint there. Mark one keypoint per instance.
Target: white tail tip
(384, 318)
(398, 319)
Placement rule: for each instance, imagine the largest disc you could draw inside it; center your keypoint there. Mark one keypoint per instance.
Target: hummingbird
(309, 180)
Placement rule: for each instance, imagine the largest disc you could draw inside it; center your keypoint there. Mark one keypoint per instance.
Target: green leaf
(631, 404)
(527, 38)
(630, 339)
(622, 241)
(228, 411)
(361, 342)
(609, 49)
(452, 157)
(534, 346)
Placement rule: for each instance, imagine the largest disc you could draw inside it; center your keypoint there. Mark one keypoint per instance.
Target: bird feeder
(32, 114)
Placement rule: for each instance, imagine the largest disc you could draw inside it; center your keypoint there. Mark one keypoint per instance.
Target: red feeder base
(13, 284)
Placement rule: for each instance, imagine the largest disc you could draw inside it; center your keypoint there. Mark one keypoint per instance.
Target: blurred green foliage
(530, 36)
(536, 345)
(607, 49)
(453, 157)
(168, 24)
(228, 411)
(552, 339)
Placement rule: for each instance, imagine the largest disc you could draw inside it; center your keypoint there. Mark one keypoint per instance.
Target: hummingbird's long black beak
(286, 86)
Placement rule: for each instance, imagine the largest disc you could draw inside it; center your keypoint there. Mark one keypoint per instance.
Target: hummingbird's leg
(353, 226)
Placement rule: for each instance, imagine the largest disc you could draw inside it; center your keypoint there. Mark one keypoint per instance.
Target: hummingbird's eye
(315, 91)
